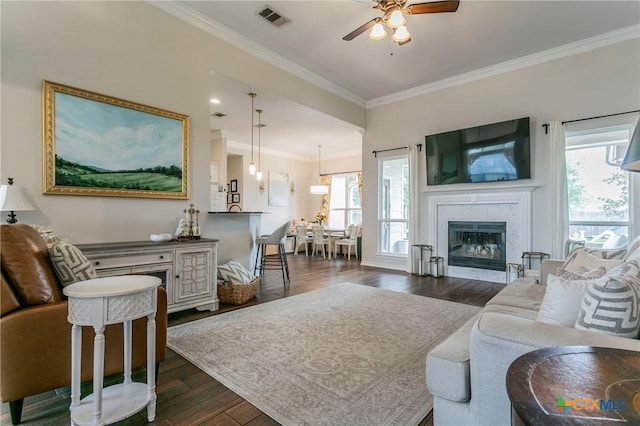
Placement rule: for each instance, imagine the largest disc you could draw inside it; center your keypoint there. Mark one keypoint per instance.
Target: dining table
(331, 234)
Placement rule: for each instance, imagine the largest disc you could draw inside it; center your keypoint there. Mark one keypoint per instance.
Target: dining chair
(273, 261)
(351, 240)
(302, 238)
(319, 239)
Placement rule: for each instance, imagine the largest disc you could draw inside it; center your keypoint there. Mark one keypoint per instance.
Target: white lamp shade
(319, 189)
(401, 33)
(13, 199)
(631, 161)
(396, 19)
(377, 32)
(259, 175)
(252, 168)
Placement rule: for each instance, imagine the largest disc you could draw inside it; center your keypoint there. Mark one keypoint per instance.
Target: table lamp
(631, 160)
(12, 200)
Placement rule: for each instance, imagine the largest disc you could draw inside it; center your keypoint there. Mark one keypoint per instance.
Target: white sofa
(466, 373)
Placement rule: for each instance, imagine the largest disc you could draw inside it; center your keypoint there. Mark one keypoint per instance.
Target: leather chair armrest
(35, 352)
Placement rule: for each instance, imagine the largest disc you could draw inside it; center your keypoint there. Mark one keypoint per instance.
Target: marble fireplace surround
(510, 205)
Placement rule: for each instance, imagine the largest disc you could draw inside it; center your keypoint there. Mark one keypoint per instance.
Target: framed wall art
(278, 189)
(99, 145)
(236, 197)
(233, 187)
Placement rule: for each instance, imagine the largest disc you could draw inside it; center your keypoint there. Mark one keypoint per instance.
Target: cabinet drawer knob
(97, 262)
(161, 257)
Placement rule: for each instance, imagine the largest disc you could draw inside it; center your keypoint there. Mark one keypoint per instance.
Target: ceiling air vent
(219, 114)
(273, 17)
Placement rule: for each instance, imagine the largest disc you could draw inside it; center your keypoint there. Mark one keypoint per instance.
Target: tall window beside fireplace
(600, 194)
(393, 214)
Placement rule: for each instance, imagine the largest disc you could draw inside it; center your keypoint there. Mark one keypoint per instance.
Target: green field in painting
(124, 180)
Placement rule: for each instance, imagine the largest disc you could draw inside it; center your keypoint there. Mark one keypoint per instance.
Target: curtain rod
(375, 153)
(340, 173)
(546, 125)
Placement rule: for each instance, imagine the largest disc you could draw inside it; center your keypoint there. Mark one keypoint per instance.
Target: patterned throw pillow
(70, 264)
(587, 275)
(581, 260)
(234, 273)
(611, 305)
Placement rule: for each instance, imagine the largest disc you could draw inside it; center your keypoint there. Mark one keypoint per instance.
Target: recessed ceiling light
(214, 101)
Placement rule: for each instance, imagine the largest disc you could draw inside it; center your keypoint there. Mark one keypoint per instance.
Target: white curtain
(560, 209)
(414, 202)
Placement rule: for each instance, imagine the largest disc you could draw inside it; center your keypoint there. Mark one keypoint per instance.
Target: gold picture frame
(104, 146)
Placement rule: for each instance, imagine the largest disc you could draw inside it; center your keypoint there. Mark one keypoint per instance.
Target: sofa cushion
(70, 264)
(8, 300)
(562, 300)
(582, 260)
(26, 265)
(448, 365)
(521, 293)
(234, 273)
(611, 304)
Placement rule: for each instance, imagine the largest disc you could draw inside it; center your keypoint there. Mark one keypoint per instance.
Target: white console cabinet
(187, 268)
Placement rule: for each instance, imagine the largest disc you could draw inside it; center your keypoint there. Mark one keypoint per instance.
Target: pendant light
(319, 189)
(259, 171)
(252, 165)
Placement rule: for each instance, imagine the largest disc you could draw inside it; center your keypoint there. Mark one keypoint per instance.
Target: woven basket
(237, 294)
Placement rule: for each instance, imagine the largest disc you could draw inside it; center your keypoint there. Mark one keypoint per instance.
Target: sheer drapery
(324, 202)
(560, 211)
(359, 180)
(414, 202)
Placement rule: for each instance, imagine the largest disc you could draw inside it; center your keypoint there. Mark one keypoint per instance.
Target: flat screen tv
(489, 153)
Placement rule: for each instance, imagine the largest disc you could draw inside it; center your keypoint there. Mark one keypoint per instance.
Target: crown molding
(570, 49)
(218, 30)
(282, 154)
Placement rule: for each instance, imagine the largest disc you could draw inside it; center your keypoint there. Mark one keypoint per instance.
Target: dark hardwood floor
(188, 396)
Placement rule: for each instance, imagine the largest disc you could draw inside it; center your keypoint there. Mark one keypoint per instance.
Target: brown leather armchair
(35, 336)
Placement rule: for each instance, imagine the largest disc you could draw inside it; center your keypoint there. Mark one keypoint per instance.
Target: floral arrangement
(321, 217)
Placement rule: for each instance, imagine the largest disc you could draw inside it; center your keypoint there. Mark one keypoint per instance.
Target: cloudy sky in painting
(114, 138)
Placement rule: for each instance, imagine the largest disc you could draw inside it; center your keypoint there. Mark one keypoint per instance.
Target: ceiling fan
(393, 18)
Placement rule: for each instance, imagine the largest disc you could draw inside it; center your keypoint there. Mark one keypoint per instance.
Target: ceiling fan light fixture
(377, 32)
(396, 19)
(401, 34)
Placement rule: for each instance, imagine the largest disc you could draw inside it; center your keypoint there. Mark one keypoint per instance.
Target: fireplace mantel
(505, 204)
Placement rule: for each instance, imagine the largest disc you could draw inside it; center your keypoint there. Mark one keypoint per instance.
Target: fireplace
(479, 245)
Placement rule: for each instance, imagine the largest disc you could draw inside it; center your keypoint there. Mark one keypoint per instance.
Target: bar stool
(277, 261)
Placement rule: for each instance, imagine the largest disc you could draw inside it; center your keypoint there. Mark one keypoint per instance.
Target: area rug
(347, 354)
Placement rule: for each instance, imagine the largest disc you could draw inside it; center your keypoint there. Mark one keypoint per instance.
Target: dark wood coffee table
(565, 385)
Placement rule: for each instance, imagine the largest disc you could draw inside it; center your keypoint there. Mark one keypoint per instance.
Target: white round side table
(98, 303)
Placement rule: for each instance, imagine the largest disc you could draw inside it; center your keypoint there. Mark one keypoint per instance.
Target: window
(344, 204)
(393, 217)
(599, 192)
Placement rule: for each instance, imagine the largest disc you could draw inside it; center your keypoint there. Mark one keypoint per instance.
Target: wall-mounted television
(489, 153)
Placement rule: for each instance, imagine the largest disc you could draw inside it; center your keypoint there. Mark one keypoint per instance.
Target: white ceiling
(480, 34)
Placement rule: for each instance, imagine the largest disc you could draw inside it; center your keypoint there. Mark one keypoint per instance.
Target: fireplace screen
(478, 245)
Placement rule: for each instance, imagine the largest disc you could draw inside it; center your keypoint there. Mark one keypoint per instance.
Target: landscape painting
(99, 145)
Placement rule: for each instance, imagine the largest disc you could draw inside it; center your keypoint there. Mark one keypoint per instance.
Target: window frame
(381, 205)
(346, 210)
(590, 135)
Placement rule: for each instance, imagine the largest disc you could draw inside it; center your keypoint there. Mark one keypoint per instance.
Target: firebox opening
(478, 245)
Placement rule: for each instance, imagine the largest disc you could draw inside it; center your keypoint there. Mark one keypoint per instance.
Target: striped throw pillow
(234, 273)
(70, 264)
(611, 304)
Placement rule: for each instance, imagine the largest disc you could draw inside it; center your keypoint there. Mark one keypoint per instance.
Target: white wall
(302, 205)
(133, 51)
(599, 82)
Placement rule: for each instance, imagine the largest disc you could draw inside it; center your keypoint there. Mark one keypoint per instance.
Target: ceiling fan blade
(433, 7)
(355, 33)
